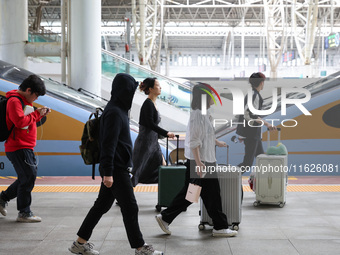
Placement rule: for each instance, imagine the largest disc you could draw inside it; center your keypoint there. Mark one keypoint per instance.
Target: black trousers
(253, 147)
(24, 163)
(210, 195)
(121, 190)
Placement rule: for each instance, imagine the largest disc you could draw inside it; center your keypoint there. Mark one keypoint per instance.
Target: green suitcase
(171, 179)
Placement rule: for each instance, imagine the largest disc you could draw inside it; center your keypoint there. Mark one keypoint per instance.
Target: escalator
(173, 103)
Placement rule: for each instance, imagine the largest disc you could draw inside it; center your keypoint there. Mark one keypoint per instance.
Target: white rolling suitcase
(271, 178)
(231, 195)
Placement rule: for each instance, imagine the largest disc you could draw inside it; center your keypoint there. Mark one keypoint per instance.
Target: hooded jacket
(24, 133)
(115, 139)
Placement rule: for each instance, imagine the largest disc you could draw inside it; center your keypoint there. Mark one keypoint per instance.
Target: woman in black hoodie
(115, 162)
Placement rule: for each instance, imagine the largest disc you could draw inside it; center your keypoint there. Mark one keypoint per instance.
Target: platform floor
(308, 224)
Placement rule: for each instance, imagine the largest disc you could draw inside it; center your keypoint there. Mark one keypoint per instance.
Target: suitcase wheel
(235, 227)
(282, 204)
(201, 226)
(256, 203)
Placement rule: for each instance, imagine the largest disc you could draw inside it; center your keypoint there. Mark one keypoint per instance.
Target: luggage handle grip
(227, 153)
(278, 129)
(167, 149)
(279, 136)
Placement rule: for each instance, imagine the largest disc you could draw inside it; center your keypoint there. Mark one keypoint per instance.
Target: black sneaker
(3, 205)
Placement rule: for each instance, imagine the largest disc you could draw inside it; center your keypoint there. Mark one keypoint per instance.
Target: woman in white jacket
(200, 144)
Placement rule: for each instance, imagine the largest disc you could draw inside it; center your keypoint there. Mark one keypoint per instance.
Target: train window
(218, 60)
(213, 60)
(199, 60)
(208, 60)
(189, 60)
(331, 116)
(180, 60)
(12, 73)
(204, 60)
(81, 97)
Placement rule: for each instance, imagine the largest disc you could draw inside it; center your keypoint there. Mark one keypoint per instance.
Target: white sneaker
(164, 225)
(3, 205)
(83, 249)
(224, 232)
(28, 218)
(148, 250)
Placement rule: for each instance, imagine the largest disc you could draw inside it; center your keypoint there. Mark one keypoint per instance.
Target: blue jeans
(24, 163)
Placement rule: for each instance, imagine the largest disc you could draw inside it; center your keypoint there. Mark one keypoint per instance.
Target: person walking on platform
(147, 154)
(250, 131)
(199, 150)
(115, 162)
(20, 144)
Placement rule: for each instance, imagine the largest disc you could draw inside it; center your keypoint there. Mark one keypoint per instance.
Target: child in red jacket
(20, 145)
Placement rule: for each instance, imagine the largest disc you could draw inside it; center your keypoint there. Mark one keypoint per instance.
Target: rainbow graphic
(208, 92)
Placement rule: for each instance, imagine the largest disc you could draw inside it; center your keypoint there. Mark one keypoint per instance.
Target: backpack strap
(96, 114)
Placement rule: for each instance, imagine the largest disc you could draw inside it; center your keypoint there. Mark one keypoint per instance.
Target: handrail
(144, 68)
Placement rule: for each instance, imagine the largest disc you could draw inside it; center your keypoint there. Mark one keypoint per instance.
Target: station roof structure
(208, 20)
(190, 24)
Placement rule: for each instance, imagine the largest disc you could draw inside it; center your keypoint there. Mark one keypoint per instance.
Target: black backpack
(4, 131)
(90, 147)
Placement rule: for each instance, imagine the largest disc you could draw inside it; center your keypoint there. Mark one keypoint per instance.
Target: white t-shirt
(200, 132)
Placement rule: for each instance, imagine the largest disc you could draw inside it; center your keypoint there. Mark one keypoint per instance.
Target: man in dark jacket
(115, 162)
(251, 129)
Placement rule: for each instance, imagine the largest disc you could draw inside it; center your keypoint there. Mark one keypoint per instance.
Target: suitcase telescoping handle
(167, 149)
(227, 153)
(279, 136)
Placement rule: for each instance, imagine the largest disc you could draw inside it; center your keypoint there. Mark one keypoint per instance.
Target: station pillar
(85, 45)
(13, 31)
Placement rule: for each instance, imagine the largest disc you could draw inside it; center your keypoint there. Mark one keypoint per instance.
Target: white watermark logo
(238, 101)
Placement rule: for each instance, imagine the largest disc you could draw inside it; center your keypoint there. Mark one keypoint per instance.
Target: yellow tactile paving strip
(14, 177)
(154, 188)
(82, 188)
(313, 188)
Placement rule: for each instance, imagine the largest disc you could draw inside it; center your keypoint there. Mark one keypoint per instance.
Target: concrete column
(242, 47)
(13, 31)
(85, 41)
(232, 51)
(142, 18)
(63, 49)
